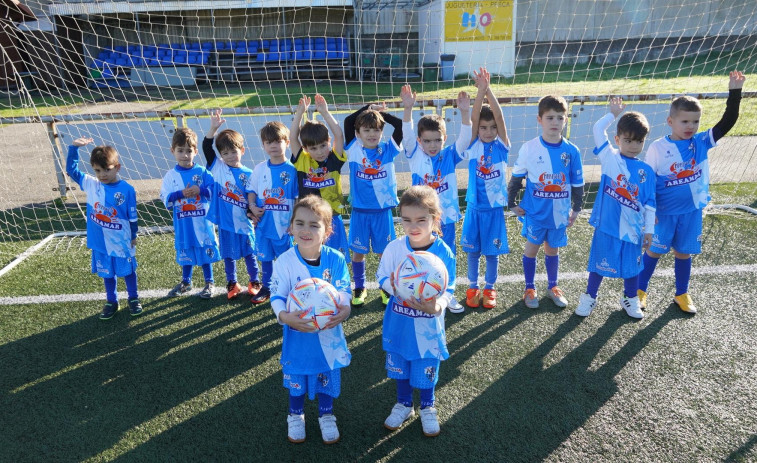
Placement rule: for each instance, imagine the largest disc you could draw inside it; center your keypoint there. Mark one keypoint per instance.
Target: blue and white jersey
(487, 166)
(551, 170)
(373, 184)
(228, 209)
(311, 353)
(438, 171)
(111, 208)
(626, 191)
(190, 224)
(411, 333)
(683, 172)
(275, 186)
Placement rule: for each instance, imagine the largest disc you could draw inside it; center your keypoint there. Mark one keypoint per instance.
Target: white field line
(462, 281)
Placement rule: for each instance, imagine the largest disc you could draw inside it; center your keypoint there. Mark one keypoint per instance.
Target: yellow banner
(478, 21)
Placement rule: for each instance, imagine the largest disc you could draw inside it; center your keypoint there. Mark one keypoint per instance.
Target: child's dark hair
(633, 125)
(319, 207)
(685, 103)
(103, 156)
(432, 122)
(425, 197)
(229, 139)
(274, 131)
(184, 137)
(553, 102)
(313, 133)
(486, 113)
(370, 119)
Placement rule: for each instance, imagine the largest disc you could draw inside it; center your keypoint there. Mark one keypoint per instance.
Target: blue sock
(252, 267)
(646, 273)
(553, 264)
(592, 287)
(296, 404)
(325, 404)
(230, 266)
(529, 271)
(186, 273)
(683, 275)
(490, 277)
(131, 285)
(404, 392)
(267, 266)
(207, 273)
(358, 273)
(110, 290)
(630, 286)
(427, 397)
(473, 269)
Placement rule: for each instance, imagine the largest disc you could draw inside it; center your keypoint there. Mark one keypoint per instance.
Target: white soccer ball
(421, 275)
(318, 298)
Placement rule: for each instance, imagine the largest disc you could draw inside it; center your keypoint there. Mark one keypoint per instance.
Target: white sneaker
(455, 306)
(586, 304)
(399, 415)
(558, 297)
(429, 421)
(329, 431)
(296, 426)
(632, 306)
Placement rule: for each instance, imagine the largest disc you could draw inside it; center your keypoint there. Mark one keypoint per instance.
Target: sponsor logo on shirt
(106, 217)
(551, 186)
(190, 207)
(318, 178)
(273, 199)
(402, 309)
(485, 170)
(683, 173)
(624, 192)
(371, 170)
(231, 194)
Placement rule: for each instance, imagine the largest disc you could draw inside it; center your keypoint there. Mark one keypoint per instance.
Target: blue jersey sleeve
(72, 164)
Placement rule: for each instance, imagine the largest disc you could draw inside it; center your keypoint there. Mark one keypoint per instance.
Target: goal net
(128, 73)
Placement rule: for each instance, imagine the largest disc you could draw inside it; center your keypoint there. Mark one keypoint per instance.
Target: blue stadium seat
(319, 54)
(180, 59)
(303, 55)
(103, 55)
(121, 62)
(207, 45)
(120, 48)
(194, 46)
(319, 43)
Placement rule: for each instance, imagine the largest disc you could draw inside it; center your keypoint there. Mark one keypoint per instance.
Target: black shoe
(135, 308)
(264, 295)
(109, 310)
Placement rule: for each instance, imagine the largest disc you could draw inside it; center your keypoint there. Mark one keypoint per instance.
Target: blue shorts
(614, 258)
(485, 231)
(106, 266)
(271, 248)
(555, 237)
(235, 245)
(682, 232)
(338, 238)
(422, 373)
(328, 382)
(371, 229)
(448, 235)
(198, 255)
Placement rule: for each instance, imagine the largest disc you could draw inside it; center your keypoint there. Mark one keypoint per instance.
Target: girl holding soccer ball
(413, 330)
(312, 360)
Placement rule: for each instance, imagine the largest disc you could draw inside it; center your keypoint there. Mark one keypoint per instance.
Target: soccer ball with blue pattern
(317, 298)
(421, 275)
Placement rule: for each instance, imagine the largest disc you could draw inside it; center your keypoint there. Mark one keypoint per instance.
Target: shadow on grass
(744, 453)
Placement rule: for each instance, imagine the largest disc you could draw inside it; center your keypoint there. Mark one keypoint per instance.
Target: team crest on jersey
(497, 243)
(323, 379)
(565, 158)
(285, 178)
(551, 186)
(326, 275)
(273, 199)
(197, 179)
(119, 198)
(485, 168)
(624, 192)
(243, 177)
(371, 170)
(104, 216)
(231, 194)
(642, 175)
(318, 178)
(430, 373)
(435, 181)
(682, 173)
(209, 252)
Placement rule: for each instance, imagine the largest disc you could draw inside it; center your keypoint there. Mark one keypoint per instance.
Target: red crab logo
(551, 182)
(105, 213)
(683, 169)
(625, 188)
(273, 195)
(485, 164)
(433, 181)
(231, 191)
(371, 168)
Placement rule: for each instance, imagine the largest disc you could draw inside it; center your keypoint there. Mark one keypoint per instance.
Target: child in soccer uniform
(623, 214)
(413, 331)
(434, 165)
(553, 171)
(319, 161)
(228, 209)
(312, 361)
(111, 223)
(683, 187)
(373, 187)
(484, 229)
(186, 192)
(272, 191)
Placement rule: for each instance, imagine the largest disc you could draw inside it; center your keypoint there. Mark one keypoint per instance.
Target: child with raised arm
(682, 170)
(484, 229)
(228, 209)
(272, 191)
(373, 187)
(623, 214)
(434, 165)
(186, 191)
(311, 361)
(318, 159)
(111, 223)
(413, 332)
(553, 171)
